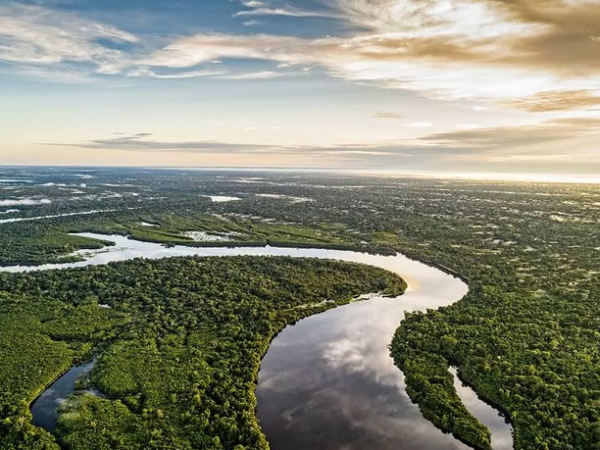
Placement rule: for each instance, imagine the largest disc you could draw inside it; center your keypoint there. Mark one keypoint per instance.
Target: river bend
(328, 382)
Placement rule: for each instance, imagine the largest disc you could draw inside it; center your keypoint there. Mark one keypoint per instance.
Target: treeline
(49, 240)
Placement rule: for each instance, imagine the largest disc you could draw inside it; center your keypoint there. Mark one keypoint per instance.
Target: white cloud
(257, 8)
(389, 60)
(202, 48)
(40, 36)
(471, 19)
(146, 72)
(476, 50)
(290, 12)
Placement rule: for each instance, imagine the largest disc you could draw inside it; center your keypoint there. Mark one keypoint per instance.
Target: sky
(415, 86)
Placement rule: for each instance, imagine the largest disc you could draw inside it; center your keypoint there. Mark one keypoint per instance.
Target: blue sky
(460, 86)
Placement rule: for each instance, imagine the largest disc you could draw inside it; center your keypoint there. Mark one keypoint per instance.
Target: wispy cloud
(529, 55)
(261, 8)
(37, 36)
(202, 48)
(510, 138)
(558, 101)
(464, 52)
(252, 23)
(144, 142)
(510, 146)
(146, 72)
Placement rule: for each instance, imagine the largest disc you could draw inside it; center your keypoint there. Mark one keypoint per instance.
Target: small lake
(328, 382)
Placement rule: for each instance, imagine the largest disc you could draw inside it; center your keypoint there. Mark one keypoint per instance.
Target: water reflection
(44, 408)
(502, 438)
(329, 383)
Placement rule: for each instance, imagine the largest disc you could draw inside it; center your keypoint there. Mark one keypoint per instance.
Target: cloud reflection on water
(329, 383)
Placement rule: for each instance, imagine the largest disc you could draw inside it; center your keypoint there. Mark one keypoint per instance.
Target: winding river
(328, 382)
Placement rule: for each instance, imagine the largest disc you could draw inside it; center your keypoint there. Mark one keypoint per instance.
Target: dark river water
(44, 408)
(328, 382)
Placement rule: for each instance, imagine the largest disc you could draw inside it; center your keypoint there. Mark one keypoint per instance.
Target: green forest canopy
(179, 348)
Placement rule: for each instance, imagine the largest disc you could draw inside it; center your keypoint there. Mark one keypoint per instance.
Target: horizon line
(553, 178)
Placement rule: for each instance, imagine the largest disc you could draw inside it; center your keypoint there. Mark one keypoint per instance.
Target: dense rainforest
(526, 337)
(178, 344)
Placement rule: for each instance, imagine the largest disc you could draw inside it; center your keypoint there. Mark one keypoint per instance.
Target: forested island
(178, 344)
(525, 337)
